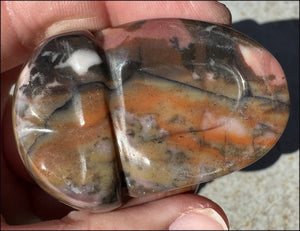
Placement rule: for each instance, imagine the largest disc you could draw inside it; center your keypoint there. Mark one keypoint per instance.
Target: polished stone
(148, 107)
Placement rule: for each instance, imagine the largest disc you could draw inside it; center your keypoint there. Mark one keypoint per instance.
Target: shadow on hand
(281, 38)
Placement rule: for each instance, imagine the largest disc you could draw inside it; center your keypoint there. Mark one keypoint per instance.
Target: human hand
(24, 25)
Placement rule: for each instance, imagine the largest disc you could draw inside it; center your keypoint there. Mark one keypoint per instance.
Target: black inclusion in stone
(188, 56)
(224, 50)
(54, 52)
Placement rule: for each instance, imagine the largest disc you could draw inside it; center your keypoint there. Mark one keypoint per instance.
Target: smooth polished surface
(271, 189)
(144, 108)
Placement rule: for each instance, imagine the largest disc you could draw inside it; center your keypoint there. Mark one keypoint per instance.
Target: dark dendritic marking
(227, 41)
(175, 43)
(176, 158)
(55, 51)
(225, 53)
(188, 55)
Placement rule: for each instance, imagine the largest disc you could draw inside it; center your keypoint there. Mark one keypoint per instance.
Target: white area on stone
(126, 144)
(195, 76)
(234, 125)
(210, 28)
(47, 53)
(210, 76)
(81, 60)
(148, 122)
(25, 74)
(105, 147)
(30, 112)
(54, 84)
(53, 55)
(209, 120)
(73, 188)
(12, 89)
(212, 62)
(230, 124)
(250, 55)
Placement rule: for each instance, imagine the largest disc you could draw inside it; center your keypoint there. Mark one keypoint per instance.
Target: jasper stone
(149, 107)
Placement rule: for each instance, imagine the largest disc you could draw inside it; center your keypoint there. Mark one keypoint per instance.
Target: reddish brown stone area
(155, 108)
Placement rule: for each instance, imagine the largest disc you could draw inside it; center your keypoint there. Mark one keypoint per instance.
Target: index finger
(25, 24)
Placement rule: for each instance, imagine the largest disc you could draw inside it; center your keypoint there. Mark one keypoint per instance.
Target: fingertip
(199, 213)
(199, 219)
(28, 23)
(225, 14)
(178, 212)
(209, 11)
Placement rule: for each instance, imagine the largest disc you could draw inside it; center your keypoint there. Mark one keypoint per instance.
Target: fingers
(27, 23)
(172, 212)
(121, 12)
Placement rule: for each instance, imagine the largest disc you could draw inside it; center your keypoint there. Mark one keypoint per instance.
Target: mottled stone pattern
(62, 123)
(167, 104)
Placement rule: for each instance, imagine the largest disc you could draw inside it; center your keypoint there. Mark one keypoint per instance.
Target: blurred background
(265, 195)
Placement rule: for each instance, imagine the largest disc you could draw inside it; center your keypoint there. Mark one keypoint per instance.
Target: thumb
(199, 219)
(180, 212)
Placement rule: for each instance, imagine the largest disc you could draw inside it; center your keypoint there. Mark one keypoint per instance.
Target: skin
(24, 25)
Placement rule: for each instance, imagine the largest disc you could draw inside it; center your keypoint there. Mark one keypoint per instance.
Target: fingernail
(199, 219)
(63, 26)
